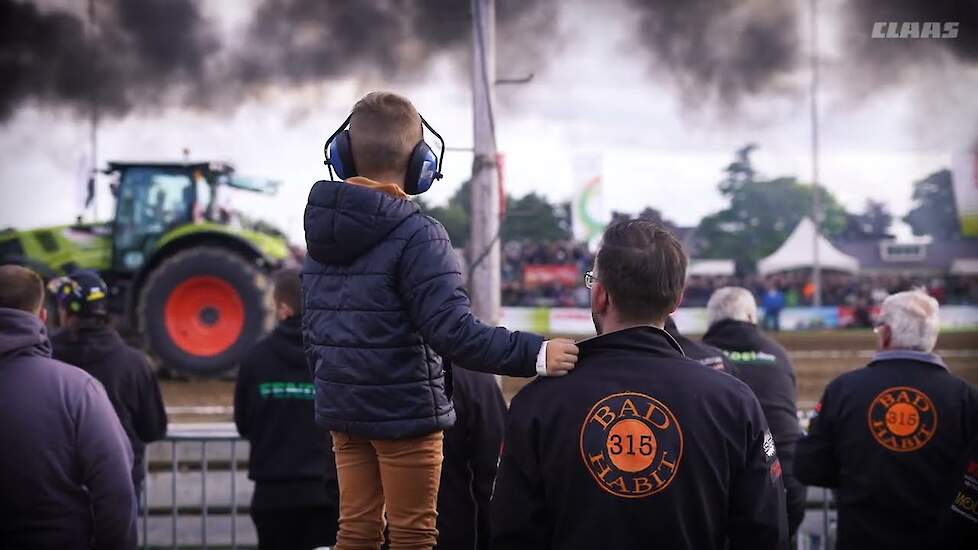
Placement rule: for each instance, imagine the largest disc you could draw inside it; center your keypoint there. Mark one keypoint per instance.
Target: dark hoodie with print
(65, 461)
(291, 458)
(764, 365)
(128, 379)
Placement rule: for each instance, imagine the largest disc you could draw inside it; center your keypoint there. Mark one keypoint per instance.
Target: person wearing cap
(87, 341)
(889, 437)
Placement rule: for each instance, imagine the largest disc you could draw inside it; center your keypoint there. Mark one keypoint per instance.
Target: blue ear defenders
(423, 166)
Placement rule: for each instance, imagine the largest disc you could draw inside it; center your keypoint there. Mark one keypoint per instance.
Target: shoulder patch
(631, 444)
(902, 419)
(769, 449)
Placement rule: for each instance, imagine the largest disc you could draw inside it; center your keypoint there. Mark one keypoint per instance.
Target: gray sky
(596, 92)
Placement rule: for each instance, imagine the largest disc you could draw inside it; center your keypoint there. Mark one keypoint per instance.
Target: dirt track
(818, 358)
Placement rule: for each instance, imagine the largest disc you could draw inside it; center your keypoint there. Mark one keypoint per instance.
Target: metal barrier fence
(188, 503)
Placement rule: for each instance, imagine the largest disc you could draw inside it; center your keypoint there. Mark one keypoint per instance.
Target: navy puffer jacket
(383, 298)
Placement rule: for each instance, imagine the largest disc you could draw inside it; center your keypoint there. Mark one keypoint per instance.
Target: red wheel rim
(204, 316)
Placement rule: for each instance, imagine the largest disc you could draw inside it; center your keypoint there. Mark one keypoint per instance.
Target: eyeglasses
(589, 279)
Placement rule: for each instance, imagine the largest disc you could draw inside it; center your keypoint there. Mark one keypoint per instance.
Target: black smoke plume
(143, 51)
(720, 49)
(729, 49)
(156, 53)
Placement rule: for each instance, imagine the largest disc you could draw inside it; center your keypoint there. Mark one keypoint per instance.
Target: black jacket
(127, 378)
(291, 459)
(638, 446)
(764, 366)
(65, 463)
(959, 526)
(383, 298)
(471, 452)
(888, 437)
(707, 355)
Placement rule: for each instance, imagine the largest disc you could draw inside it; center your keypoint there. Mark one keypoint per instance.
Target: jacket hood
(343, 221)
(22, 333)
(286, 342)
(86, 346)
(736, 335)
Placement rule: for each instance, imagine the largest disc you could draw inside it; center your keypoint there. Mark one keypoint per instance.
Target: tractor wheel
(201, 309)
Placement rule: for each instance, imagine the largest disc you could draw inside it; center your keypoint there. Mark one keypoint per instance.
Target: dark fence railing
(197, 493)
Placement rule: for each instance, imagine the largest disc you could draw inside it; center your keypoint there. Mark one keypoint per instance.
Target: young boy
(383, 299)
(295, 501)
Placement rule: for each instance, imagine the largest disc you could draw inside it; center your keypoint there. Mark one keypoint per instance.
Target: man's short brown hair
(20, 288)
(288, 289)
(384, 129)
(643, 267)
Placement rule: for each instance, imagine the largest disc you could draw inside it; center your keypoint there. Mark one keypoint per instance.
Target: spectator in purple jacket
(65, 478)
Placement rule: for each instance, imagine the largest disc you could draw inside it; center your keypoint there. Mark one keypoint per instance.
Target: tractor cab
(153, 199)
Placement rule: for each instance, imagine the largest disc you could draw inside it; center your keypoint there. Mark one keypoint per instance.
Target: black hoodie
(291, 459)
(764, 366)
(471, 454)
(127, 378)
(64, 459)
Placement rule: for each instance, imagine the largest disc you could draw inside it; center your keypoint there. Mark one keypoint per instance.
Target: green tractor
(189, 275)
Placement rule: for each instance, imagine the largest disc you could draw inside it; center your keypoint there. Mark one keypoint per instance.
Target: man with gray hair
(763, 365)
(887, 437)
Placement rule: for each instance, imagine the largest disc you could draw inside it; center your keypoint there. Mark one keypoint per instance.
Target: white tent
(797, 253)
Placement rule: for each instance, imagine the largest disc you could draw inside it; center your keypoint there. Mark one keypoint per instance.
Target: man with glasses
(639, 444)
(888, 437)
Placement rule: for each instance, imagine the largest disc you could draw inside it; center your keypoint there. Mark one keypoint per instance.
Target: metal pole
(234, 495)
(816, 190)
(145, 495)
(173, 489)
(93, 93)
(484, 256)
(203, 493)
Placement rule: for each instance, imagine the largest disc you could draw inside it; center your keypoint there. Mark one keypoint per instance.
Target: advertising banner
(543, 275)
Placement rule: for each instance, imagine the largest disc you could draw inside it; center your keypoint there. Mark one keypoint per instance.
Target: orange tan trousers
(400, 477)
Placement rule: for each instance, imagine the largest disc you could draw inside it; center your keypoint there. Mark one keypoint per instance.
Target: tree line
(760, 214)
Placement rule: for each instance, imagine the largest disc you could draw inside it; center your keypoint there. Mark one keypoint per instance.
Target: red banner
(542, 275)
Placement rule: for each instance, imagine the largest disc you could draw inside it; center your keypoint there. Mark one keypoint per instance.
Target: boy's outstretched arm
(431, 286)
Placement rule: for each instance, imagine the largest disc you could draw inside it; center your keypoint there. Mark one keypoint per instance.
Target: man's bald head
(21, 288)
(384, 129)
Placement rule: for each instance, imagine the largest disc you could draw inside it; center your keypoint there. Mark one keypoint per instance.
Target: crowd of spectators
(838, 289)
(566, 292)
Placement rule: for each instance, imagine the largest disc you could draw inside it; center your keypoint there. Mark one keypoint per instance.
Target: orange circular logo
(902, 419)
(631, 444)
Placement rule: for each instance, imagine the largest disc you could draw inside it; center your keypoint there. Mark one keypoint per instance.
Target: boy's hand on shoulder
(561, 356)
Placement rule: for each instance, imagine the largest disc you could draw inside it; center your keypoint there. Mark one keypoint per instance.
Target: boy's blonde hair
(384, 129)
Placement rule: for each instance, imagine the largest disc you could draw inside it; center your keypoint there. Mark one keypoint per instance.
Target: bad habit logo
(902, 419)
(631, 444)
